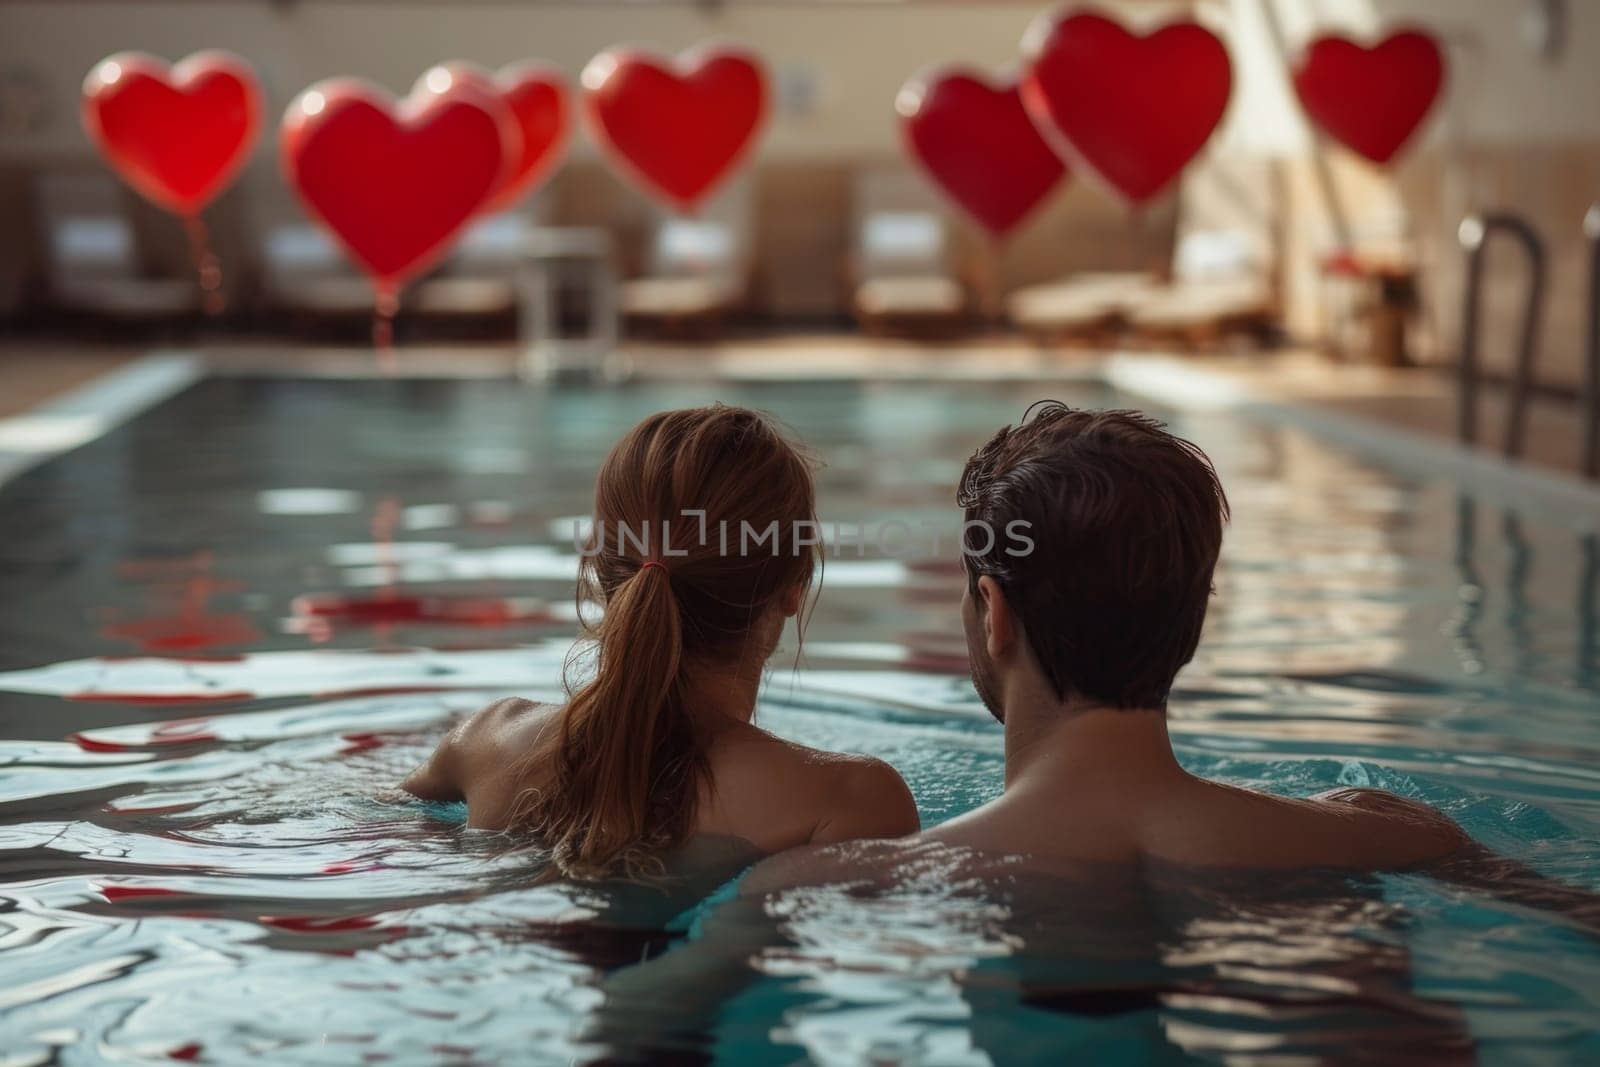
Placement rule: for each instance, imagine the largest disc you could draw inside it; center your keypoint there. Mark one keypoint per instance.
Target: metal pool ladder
(1589, 402)
(1475, 233)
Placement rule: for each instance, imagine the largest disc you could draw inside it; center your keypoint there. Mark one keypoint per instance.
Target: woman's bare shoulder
(478, 746)
(862, 796)
(839, 795)
(495, 725)
(755, 747)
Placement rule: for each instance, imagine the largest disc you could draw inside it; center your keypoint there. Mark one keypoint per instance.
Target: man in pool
(1073, 648)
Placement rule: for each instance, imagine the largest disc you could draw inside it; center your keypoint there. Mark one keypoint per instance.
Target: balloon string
(385, 305)
(991, 290)
(207, 267)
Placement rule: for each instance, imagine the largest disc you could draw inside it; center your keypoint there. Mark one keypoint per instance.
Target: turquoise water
(230, 626)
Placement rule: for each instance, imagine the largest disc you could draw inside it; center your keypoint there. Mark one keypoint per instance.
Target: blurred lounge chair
(1214, 279)
(304, 274)
(1220, 289)
(903, 282)
(92, 260)
(697, 270)
(901, 263)
(1092, 307)
(476, 286)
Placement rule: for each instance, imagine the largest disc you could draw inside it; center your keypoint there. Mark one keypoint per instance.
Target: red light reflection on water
(320, 615)
(387, 607)
(320, 924)
(179, 592)
(361, 742)
(114, 893)
(176, 732)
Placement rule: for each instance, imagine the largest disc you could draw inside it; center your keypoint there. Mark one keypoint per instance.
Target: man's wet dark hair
(1126, 522)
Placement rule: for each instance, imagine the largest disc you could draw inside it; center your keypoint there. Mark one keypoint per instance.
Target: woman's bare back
(773, 794)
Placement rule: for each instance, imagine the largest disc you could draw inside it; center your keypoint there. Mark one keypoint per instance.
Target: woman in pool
(658, 750)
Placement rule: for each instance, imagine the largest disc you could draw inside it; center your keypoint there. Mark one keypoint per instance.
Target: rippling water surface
(228, 628)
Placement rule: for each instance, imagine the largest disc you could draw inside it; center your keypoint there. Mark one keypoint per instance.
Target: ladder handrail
(1589, 400)
(1474, 235)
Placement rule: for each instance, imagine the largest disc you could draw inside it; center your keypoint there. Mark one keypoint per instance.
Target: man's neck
(1062, 743)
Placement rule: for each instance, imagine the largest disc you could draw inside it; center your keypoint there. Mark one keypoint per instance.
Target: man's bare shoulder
(1412, 825)
(1350, 828)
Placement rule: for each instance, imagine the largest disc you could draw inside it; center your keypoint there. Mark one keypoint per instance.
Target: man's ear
(1000, 627)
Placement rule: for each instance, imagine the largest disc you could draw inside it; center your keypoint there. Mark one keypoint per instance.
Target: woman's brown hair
(703, 519)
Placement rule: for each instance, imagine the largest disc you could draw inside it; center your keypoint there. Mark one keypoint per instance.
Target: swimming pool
(230, 624)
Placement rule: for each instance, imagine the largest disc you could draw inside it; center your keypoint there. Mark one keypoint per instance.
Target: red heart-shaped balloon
(977, 142)
(536, 96)
(1371, 100)
(1134, 109)
(178, 136)
(679, 128)
(395, 184)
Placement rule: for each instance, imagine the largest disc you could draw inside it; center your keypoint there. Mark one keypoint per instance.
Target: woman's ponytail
(625, 757)
(616, 780)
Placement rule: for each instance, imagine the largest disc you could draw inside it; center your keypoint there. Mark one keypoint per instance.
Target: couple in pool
(1073, 646)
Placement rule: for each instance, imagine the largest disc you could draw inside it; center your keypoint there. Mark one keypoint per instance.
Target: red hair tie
(647, 564)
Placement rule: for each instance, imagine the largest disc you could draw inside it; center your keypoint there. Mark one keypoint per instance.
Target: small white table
(558, 262)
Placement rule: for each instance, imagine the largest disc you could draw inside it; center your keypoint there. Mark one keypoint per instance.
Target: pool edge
(1539, 491)
(65, 422)
(80, 415)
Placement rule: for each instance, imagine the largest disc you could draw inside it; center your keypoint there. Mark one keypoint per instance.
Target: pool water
(229, 626)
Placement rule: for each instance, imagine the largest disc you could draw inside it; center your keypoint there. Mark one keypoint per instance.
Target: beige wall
(1516, 130)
